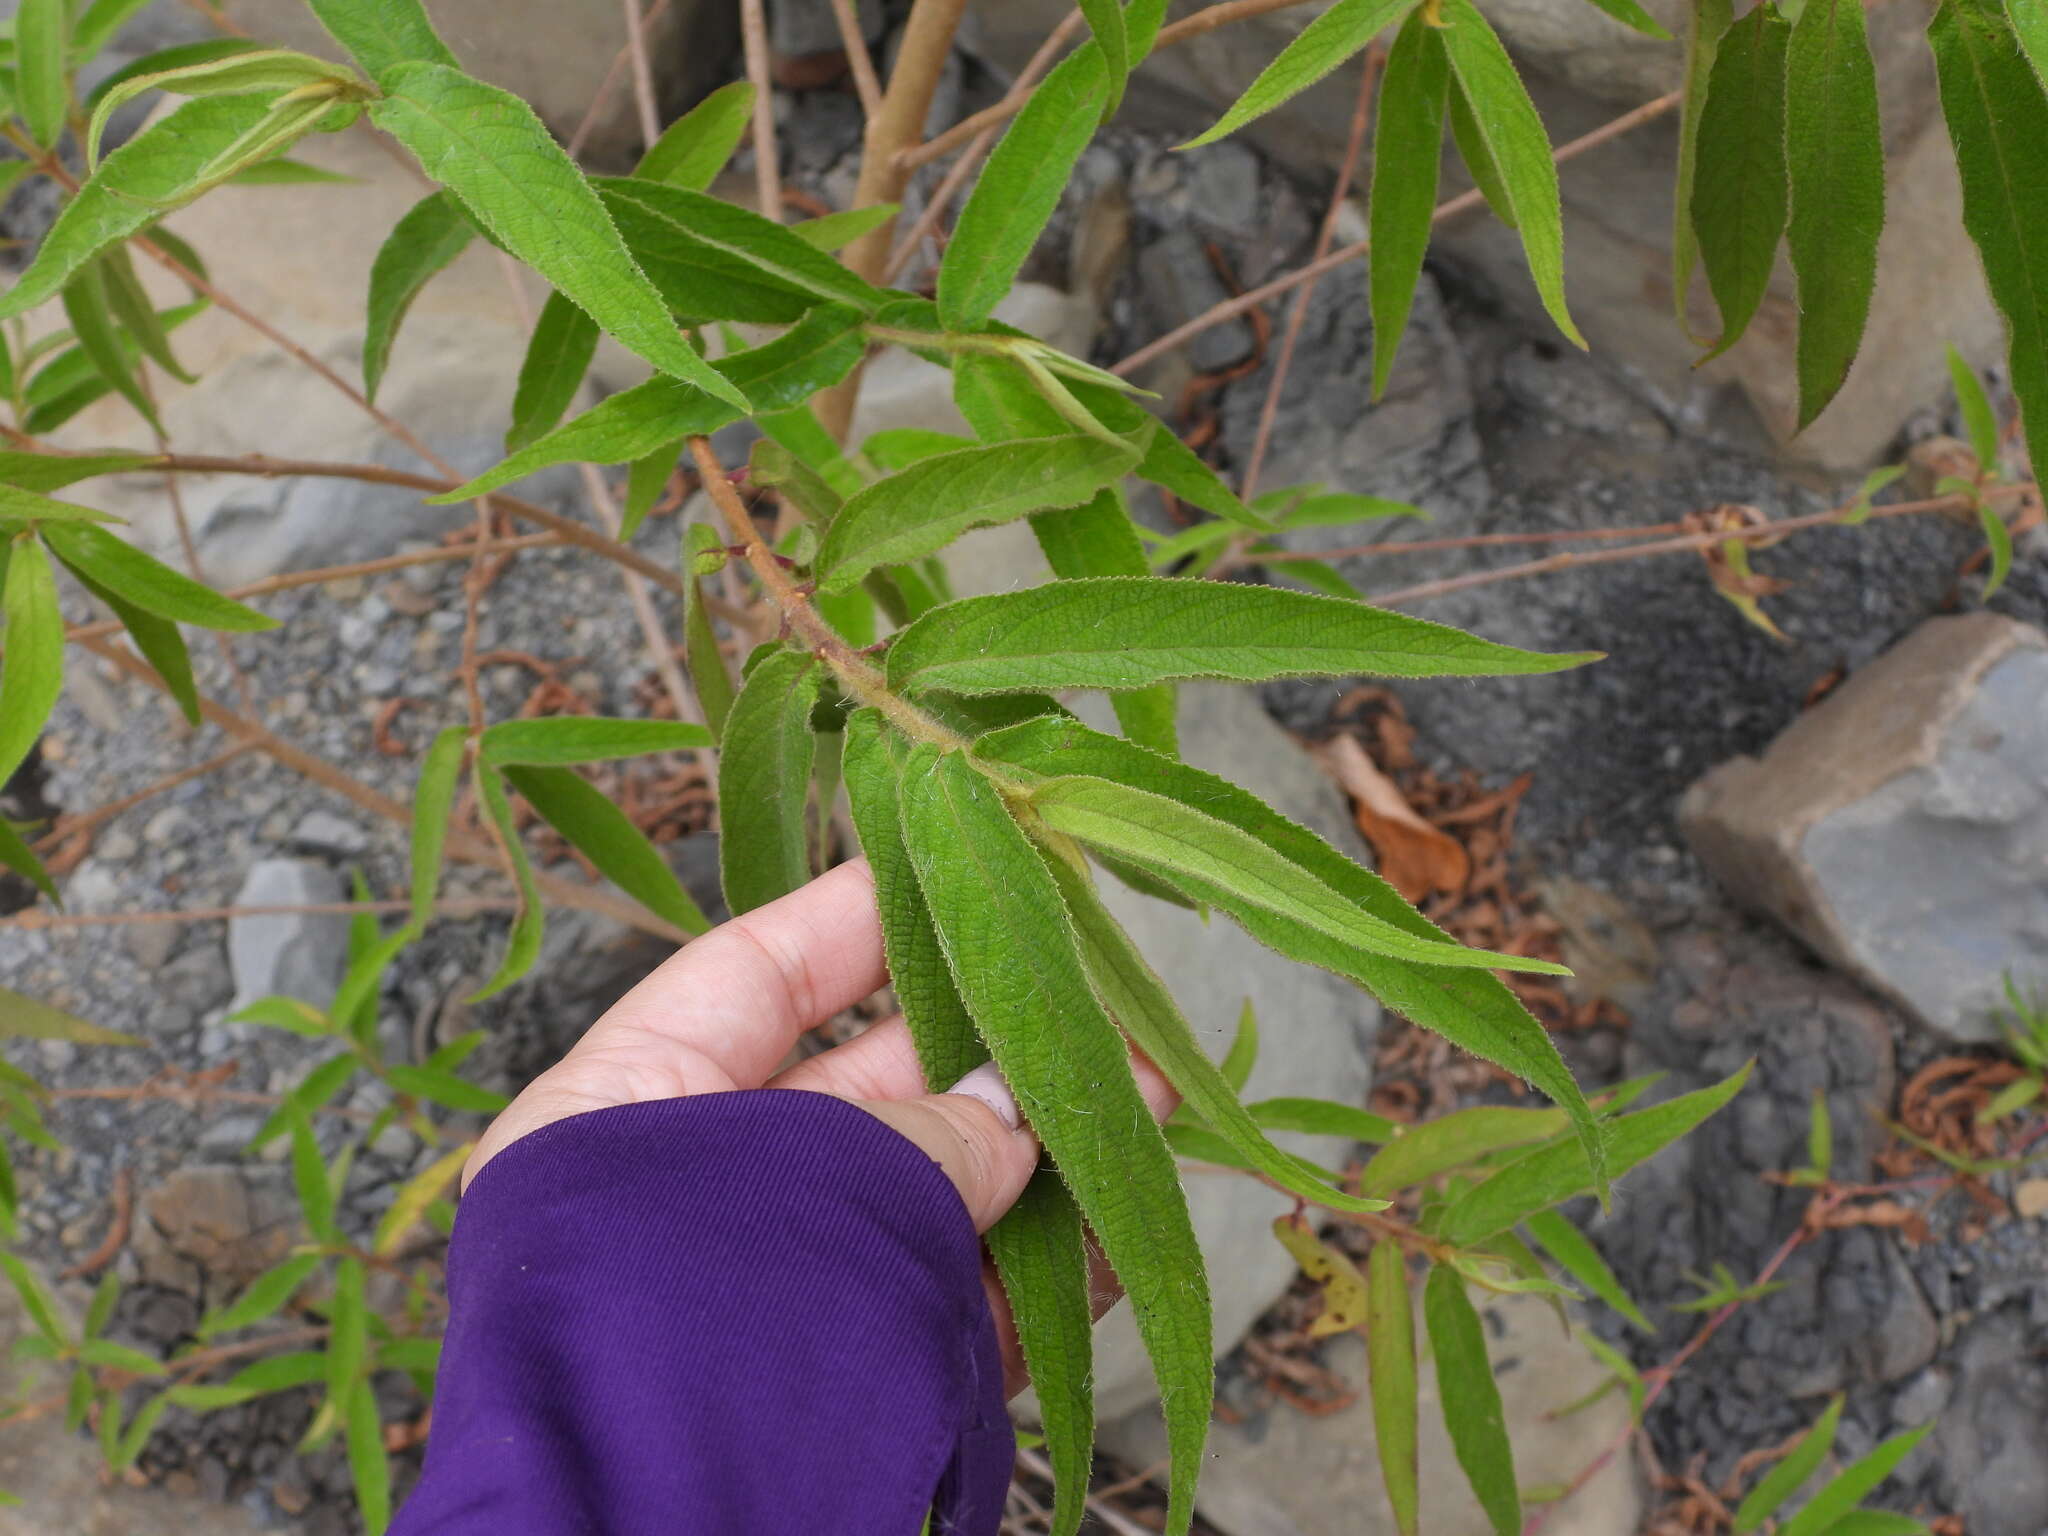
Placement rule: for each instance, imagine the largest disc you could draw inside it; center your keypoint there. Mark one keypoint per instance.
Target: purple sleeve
(747, 1312)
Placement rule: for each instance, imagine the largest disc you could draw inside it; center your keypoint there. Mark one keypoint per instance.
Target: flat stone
(1179, 283)
(1285, 1473)
(325, 832)
(301, 955)
(210, 1230)
(1992, 1438)
(1933, 759)
(1223, 187)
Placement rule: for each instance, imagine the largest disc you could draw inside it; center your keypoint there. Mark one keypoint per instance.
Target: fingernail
(986, 1084)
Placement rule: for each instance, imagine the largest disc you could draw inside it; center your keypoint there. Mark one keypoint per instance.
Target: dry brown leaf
(1415, 857)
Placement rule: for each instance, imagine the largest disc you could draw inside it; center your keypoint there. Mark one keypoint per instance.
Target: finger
(975, 1135)
(737, 998)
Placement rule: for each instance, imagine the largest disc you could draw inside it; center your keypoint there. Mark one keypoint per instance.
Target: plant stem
(866, 84)
(767, 159)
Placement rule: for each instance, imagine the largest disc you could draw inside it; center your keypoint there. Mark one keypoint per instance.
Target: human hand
(723, 1013)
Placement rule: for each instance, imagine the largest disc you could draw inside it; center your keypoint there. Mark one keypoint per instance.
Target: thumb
(975, 1134)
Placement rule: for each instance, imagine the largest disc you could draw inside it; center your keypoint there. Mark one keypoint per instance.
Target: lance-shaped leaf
(1739, 195)
(383, 33)
(430, 236)
(701, 655)
(1452, 1141)
(557, 357)
(71, 381)
(1041, 1256)
(528, 923)
(1507, 123)
(157, 639)
(1390, 1354)
(1706, 22)
(1552, 1175)
(97, 23)
(1853, 1484)
(1407, 151)
(1479, 162)
(1138, 1000)
(131, 307)
(1117, 632)
(92, 322)
(2029, 21)
(1980, 421)
(836, 231)
(32, 662)
(148, 583)
(1167, 461)
(1341, 31)
(694, 148)
(42, 83)
(433, 803)
(1471, 1398)
(487, 147)
(262, 1297)
(623, 427)
(1789, 1475)
(604, 834)
(52, 472)
(1835, 155)
(439, 1086)
(1472, 1009)
(15, 854)
(646, 480)
(26, 1019)
(368, 1466)
(178, 56)
(1106, 24)
(1014, 960)
(1633, 16)
(818, 351)
(1998, 118)
(1019, 187)
(713, 260)
(155, 171)
(261, 72)
(1235, 871)
(764, 777)
(920, 510)
(564, 740)
(1322, 1117)
(1581, 1260)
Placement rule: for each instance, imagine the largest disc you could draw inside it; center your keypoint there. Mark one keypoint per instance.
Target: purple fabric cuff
(746, 1312)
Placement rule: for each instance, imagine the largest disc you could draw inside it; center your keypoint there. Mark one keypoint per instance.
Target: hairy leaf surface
(764, 778)
(1407, 151)
(1341, 31)
(604, 834)
(147, 582)
(383, 33)
(1706, 21)
(1739, 194)
(563, 740)
(1471, 1398)
(694, 148)
(32, 663)
(1390, 1354)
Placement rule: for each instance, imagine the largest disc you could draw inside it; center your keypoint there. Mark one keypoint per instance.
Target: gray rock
(1223, 188)
(209, 1230)
(797, 28)
(168, 826)
(288, 954)
(1178, 284)
(1992, 1439)
(1933, 760)
(325, 832)
(1284, 1473)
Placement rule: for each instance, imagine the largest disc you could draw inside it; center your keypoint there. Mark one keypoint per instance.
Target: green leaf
(53, 471)
(1138, 1000)
(131, 307)
(1323, 1117)
(764, 778)
(1471, 1398)
(42, 82)
(1979, 420)
(1390, 1355)
(701, 655)
(1854, 1484)
(148, 583)
(557, 357)
(1407, 150)
(645, 482)
(309, 1173)
(1479, 161)
(268, 72)
(1507, 123)
(36, 1300)
(623, 427)
(1013, 957)
(487, 147)
(564, 740)
(290, 173)
(1117, 632)
(16, 855)
(157, 170)
(1581, 1260)
(2029, 22)
(32, 661)
(1553, 1174)
(694, 148)
(348, 1334)
(1452, 1141)
(1243, 1054)
(367, 1464)
(118, 1357)
(1706, 22)
(1233, 870)
(179, 56)
(524, 946)
(1019, 187)
(1341, 31)
(97, 23)
(1041, 1257)
(1632, 15)
(23, 1018)
(71, 382)
(836, 231)
(1998, 539)
(1876, 1522)
(315, 1089)
(1835, 154)
(1167, 462)
(433, 803)
(1791, 1472)
(1998, 118)
(713, 260)
(604, 834)
(818, 351)
(426, 241)
(1740, 194)
(446, 1090)
(137, 1434)
(920, 510)
(288, 1014)
(383, 33)
(85, 306)
(1474, 1010)
(1106, 24)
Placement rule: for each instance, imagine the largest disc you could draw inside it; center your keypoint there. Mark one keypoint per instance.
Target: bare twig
(69, 828)
(660, 650)
(866, 84)
(110, 1247)
(1101, 1509)
(643, 73)
(601, 97)
(1464, 202)
(767, 154)
(1283, 362)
